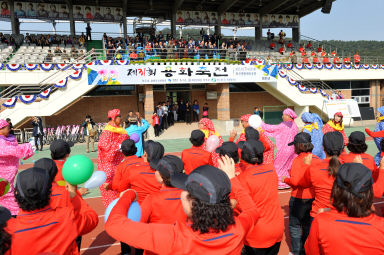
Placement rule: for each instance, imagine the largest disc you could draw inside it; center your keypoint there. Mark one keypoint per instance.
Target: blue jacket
(138, 130)
(316, 134)
(379, 127)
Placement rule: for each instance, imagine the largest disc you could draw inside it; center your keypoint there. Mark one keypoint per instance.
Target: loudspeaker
(367, 113)
(327, 6)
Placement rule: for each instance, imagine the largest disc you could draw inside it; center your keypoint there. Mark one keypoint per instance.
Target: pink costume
(109, 154)
(283, 133)
(10, 153)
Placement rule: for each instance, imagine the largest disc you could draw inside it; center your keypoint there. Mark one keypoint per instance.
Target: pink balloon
(135, 137)
(212, 143)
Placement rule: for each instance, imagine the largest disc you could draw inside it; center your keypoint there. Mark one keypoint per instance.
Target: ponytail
(334, 165)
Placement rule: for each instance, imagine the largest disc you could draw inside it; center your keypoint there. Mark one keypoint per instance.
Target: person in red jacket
(356, 58)
(336, 125)
(156, 124)
(261, 182)
(140, 176)
(352, 226)
(300, 203)
(322, 175)
(357, 147)
(347, 60)
(5, 237)
(211, 227)
(39, 228)
(60, 151)
(195, 156)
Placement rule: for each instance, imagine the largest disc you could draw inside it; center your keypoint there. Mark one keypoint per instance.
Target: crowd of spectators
(49, 40)
(206, 46)
(9, 41)
(65, 55)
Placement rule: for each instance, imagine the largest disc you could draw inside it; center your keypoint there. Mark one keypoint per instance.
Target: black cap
(206, 183)
(155, 151)
(356, 137)
(333, 142)
(169, 165)
(59, 148)
(127, 145)
(251, 133)
(301, 138)
(48, 165)
(5, 215)
(33, 182)
(253, 147)
(197, 135)
(228, 148)
(354, 177)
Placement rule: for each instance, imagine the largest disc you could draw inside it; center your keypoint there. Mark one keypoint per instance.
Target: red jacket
(51, 230)
(179, 238)
(194, 157)
(298, 171)
(122, 171)
(59, 197)
(368, 161)
(261, 182)
(327, 128)
(318, 178)
(336, 233)
(140, 177)
(59, 175)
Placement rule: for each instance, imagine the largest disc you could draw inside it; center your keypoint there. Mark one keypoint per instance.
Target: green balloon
(77, 169)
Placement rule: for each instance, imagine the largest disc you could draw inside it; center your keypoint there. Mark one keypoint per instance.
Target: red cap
(339, 114)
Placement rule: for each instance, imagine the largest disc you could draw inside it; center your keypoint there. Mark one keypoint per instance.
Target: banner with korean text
(168, 74)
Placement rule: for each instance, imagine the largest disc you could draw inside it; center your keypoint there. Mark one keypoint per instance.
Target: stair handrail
(309, 84)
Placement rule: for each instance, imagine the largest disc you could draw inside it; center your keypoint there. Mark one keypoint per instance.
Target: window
(245, 87)
(112, 90)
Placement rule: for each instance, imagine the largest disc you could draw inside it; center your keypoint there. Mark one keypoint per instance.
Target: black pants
(195, 116)
(299, 223)
(273, 250)
(40, 136)
(78, 242)
(157, 129)
(188, 117)
(125, 249)
(164, 123)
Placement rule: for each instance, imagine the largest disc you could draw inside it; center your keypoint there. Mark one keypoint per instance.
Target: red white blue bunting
(106, 62)
(356, 66)
(27, 99)
(288, 66)
(13, 67)
(45, 94)
(366, 66)
(374, 66)
(30, 67)
(302, 88)
(292, 81)
(279, 66)
(322, 92)
(313, 90)
(338, 66)
(46, 67)
(309, 66)
(328, 66)
(77, 66)
(319, 66)
(1, 66)
(10, 102)
(347, 66)
(382, 66)
(260, 62)
(62, 66)
(92, 63)
(76, 75)
(282, 73)
(299, 66)
(122, 62)
(62, 83)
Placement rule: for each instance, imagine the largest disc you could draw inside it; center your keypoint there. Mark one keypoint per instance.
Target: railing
(309, 84)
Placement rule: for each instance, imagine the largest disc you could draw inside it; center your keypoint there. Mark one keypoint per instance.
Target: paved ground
(98, 241)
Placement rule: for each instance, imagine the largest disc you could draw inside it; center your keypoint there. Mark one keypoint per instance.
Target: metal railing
(309, 84)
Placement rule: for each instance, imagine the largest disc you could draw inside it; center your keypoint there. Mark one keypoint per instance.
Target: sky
(349, 20)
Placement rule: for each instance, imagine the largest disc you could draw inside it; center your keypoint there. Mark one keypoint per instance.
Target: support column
(14, 22)
(218, 30)
(374, 93)
(173, 24)
(258, 32)
(149, 105)
(223, 102)
(125, 27)
(296, 34)
(71, 20)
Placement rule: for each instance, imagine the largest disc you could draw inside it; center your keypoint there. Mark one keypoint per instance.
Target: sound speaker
(367, 113)
(327, 6)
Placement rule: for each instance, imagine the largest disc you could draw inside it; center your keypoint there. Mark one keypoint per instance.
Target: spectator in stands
(333, 53)
(82, 39)
(282, 35)
(305, 59)
(323, 53)
(141, 55)
(133, 55)
(339, 95)
(65, 56)
(347, 60)
(294, 58)
(19, 10)
(88, 30)
(231, 52)
(290, 45)
(68, 41)
(313, 53)
(315, 59)
(49, 57)
(326, 59)
(58, 51)
(304, 53)
(269, 35)
(282, 49)
(356, 58)
(320, 48)
(309, 45)
(272, 45)
(301, 48)
(336, 60)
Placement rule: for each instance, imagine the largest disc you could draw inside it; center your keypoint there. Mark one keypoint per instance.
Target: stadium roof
(163, 8)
